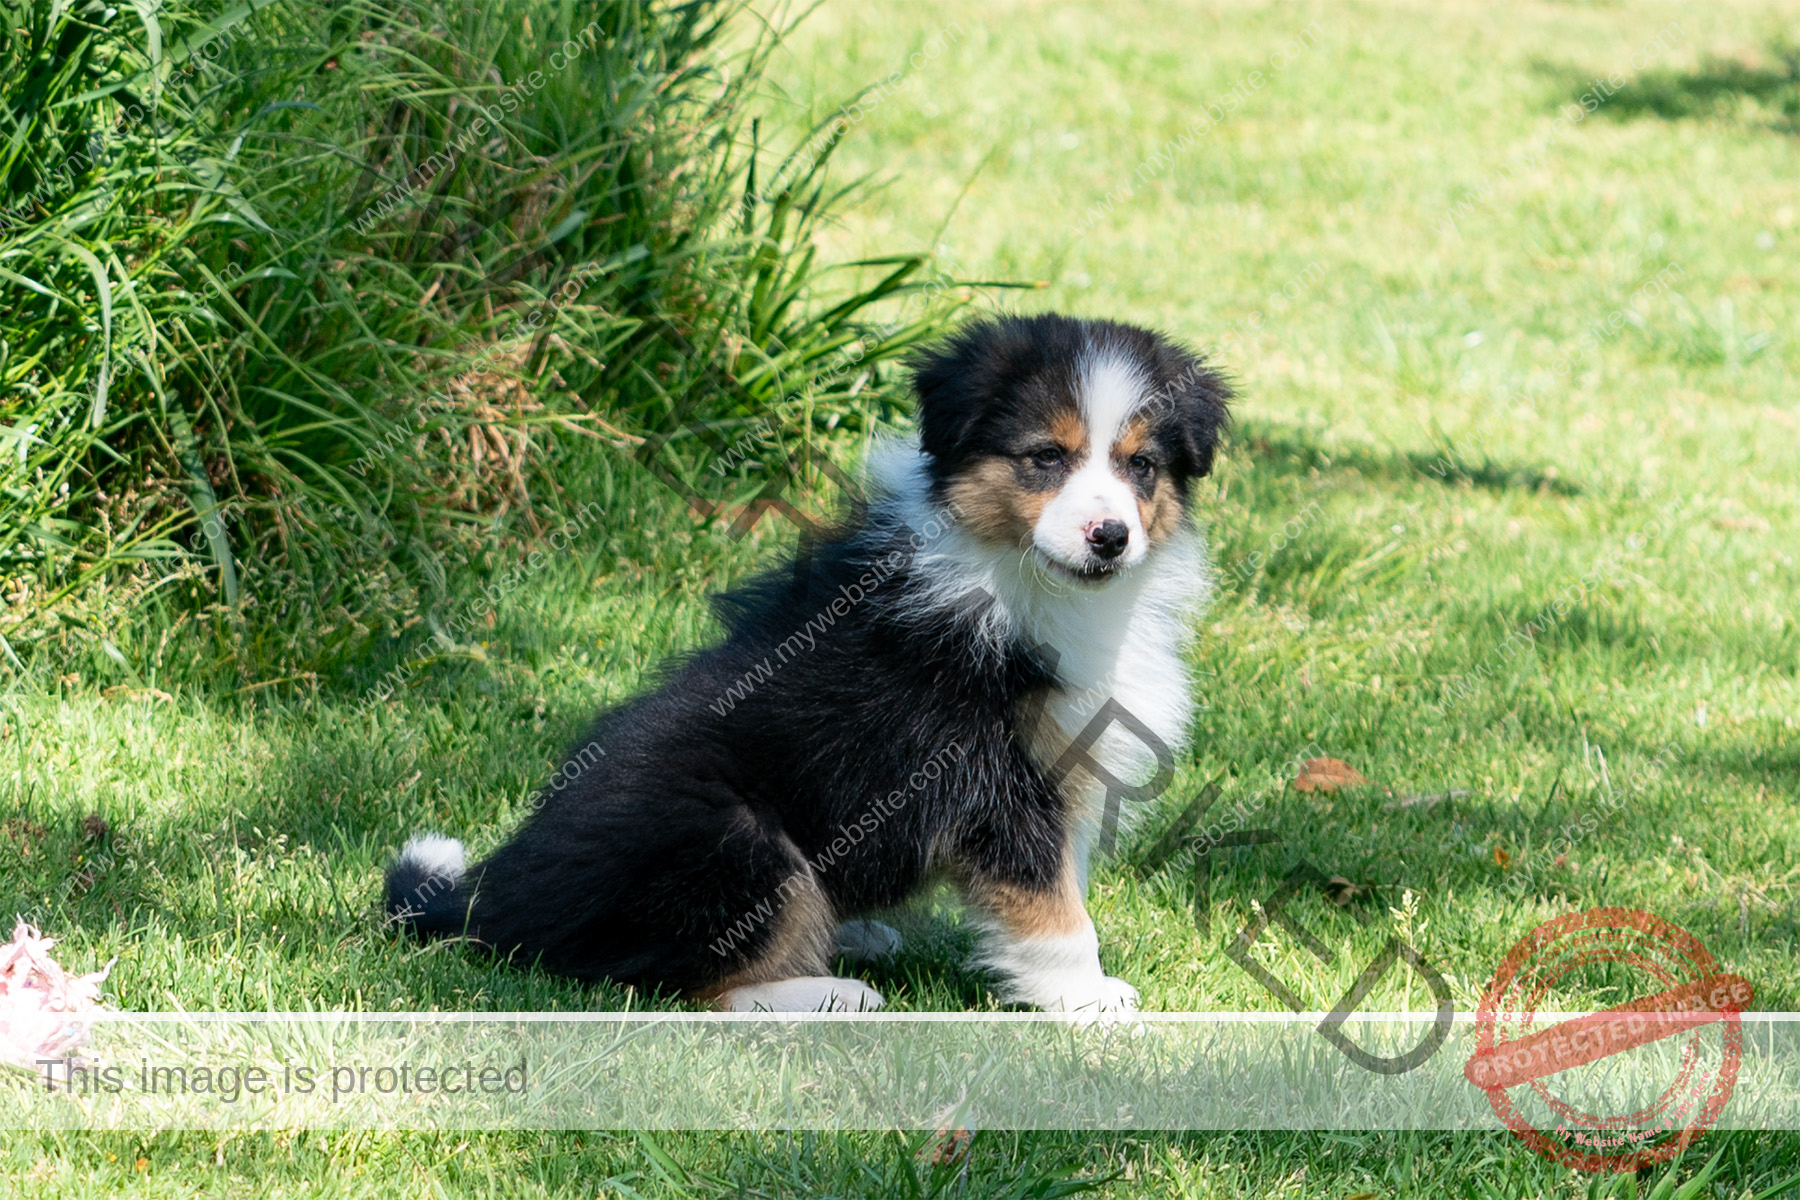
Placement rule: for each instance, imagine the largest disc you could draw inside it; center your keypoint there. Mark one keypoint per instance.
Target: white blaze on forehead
(1111, 387)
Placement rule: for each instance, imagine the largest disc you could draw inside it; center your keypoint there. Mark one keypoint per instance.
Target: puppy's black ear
(958, 382)
(1196, 403)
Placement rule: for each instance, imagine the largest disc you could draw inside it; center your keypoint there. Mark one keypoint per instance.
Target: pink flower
(41, 1004)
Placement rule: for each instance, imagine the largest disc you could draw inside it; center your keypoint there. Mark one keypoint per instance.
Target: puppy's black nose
(1108, 538)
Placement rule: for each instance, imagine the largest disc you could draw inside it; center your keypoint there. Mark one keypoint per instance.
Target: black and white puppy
(895, 711)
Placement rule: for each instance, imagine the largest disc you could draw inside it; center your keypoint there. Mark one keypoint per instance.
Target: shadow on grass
(455, 757)
(1290, 448)
(1717, 88)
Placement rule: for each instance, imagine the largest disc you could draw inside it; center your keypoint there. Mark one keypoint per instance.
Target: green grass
(259, 823)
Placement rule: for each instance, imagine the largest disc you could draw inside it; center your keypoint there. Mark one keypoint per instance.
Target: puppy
(948, 687)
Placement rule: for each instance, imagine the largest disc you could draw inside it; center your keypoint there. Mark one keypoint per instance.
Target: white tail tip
(437, 856)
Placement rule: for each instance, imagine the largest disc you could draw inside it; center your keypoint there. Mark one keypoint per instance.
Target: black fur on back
(648, 860)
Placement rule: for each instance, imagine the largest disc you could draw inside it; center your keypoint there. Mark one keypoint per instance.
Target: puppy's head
(1074, 440)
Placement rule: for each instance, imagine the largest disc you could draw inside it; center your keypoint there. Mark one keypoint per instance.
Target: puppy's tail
(424, 886)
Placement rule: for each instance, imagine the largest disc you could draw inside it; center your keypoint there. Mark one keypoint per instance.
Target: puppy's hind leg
(868, 941)
(805, 993)
(787, 973)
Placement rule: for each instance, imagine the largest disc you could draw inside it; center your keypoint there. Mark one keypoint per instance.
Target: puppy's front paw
(1080, 994)
(1094, 995)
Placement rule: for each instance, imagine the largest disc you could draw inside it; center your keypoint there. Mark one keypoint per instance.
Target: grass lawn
(1380, 275)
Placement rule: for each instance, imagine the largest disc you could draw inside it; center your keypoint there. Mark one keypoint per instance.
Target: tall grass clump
(300, 299)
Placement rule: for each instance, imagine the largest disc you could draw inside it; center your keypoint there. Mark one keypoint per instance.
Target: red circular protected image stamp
(1540, 1071)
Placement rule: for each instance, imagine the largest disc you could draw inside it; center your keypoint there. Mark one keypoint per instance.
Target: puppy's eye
(1139, 464)
(1048, 457)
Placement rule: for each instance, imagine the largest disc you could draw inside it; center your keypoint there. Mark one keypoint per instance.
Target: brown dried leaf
(1327, 775)
(947, 1146)
(22, 832)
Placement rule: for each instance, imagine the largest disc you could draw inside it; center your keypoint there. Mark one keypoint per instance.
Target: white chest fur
(1118, 653)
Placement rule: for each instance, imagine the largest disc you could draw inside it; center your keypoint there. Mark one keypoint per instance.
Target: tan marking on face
(1069, 431)
(1161, 511)
(1134, 437)
(995, 505)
